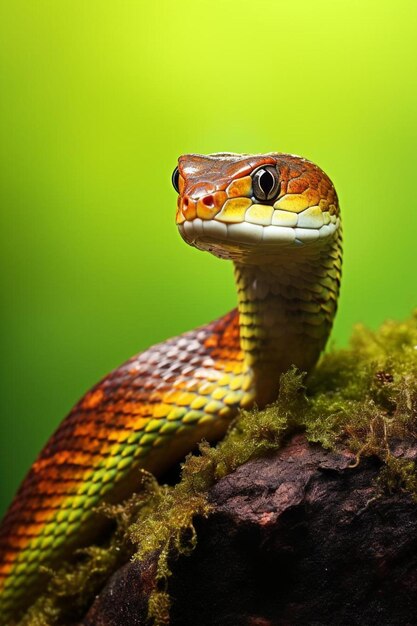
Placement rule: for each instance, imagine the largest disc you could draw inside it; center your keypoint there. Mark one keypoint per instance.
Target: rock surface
(296, 538)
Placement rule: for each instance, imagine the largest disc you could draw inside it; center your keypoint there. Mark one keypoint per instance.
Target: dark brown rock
(296, 538)
(124, 601)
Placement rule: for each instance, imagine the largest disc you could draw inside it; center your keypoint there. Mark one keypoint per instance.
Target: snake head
(242, 207)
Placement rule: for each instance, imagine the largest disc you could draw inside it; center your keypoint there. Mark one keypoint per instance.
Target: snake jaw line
(263, 238)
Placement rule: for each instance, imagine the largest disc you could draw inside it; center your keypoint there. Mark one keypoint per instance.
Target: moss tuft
(399, 474)
(363, 398)
(168, 529)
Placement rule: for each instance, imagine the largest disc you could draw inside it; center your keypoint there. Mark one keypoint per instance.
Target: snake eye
(175, 179)
(265, 183)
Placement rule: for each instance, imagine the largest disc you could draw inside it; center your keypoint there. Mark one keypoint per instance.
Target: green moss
(71, 587)
(363, 398)
(168, 528)
(366, 397)
(399, 474)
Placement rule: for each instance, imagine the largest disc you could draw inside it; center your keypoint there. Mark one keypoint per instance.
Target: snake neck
(286, 310)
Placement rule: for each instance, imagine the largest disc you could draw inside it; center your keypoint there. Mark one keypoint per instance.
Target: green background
(97, 100)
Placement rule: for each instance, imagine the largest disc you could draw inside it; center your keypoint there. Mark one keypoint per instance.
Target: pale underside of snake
(276, 216)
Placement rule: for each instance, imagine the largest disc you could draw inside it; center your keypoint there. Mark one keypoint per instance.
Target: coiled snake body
(276, 216)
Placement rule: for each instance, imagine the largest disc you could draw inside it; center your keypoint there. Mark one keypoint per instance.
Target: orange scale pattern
(146, 414)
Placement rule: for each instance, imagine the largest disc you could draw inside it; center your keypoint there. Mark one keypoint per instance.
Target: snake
(276, 216)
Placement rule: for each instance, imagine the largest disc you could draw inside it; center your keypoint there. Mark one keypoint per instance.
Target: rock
(299, 537)
(124, 600)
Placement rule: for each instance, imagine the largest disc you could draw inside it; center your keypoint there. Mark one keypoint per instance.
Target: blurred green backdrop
(98, 99)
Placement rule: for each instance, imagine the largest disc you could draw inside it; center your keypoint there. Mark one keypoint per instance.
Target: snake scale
(276, 216)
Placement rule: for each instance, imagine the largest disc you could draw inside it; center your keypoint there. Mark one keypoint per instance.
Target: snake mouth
(255, 206)
(222, 239)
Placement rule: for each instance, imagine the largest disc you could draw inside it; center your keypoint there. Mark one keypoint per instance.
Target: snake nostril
(208, 201)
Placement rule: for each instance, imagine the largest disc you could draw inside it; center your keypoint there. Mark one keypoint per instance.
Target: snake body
(276, 216)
